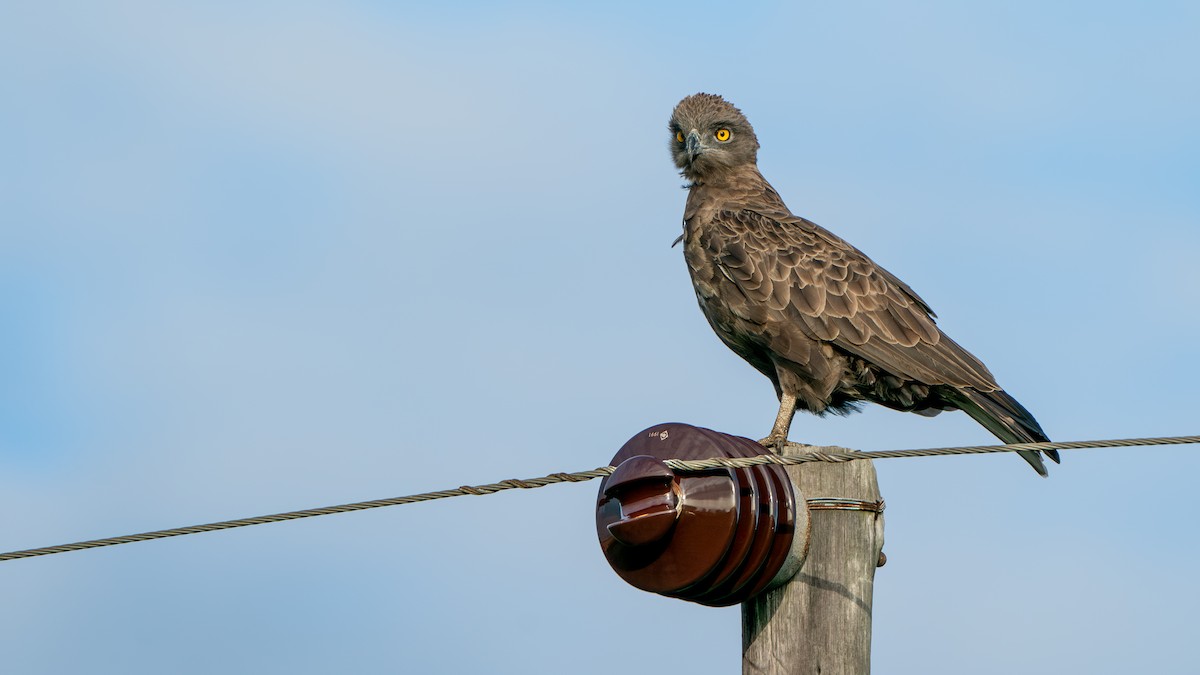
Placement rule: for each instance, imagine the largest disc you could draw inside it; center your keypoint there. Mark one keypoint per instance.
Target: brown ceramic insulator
(784, 544)
(703, 531)
(758, 486)
(748, 530)
(714, 537)
(645, 489)
(777, 544)
(790, 546)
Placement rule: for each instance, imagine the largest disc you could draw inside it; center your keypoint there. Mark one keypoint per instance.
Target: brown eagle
(827, 325)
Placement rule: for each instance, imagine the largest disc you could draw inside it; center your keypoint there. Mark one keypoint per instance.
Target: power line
(815, 454)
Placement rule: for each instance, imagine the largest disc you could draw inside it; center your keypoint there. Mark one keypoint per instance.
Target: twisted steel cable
(810, 454)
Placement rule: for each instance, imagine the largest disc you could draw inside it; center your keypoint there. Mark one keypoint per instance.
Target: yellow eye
(723, 135)
(678, 136)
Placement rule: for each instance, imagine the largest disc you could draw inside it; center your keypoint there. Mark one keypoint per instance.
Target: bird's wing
(793, 274)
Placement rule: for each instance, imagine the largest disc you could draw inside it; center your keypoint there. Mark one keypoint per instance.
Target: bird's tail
(1002, 415)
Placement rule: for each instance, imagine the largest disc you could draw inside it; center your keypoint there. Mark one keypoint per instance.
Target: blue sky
(262, 257)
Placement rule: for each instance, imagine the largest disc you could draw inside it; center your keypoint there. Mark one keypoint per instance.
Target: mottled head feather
(701, 154)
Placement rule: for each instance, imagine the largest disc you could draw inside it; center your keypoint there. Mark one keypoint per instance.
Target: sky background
(257, 257)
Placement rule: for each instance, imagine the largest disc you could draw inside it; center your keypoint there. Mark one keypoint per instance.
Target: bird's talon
(774, 443)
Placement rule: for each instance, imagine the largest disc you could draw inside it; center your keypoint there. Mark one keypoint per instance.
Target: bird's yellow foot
(775, 443)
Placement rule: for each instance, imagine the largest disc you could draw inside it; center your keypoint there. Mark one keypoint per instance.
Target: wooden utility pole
(820, 621)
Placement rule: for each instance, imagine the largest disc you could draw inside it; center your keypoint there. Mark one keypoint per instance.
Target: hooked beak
(693, 146)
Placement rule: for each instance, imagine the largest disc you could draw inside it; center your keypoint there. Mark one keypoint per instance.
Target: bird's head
(709, 136)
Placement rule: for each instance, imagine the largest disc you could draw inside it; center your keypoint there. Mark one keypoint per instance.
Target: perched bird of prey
(827, 325)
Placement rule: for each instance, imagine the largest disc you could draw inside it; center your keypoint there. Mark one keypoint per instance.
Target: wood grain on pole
(820, 621)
